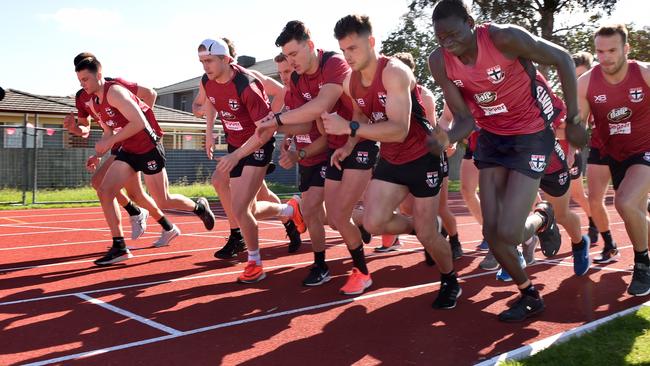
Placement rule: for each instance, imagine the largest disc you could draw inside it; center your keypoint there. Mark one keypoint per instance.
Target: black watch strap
(278, 120)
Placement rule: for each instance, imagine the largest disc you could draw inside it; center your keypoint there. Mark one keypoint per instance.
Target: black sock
(530, 291)
(359, 259)
(166, 225)
(118, 242)
(642, 257)
(579, 245)
(591, 222)
(448, 277)
(453, 240)
(236, 233)
(319, 259)
(289, 226)
(199, 209)
(132, 209)
(444, 233)
(607, 237)
(413, 232)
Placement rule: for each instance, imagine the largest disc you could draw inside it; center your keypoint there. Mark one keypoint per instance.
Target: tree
(638, 38)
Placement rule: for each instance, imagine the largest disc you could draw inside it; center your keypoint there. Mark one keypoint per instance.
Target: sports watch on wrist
(354, 126)
(302, 154)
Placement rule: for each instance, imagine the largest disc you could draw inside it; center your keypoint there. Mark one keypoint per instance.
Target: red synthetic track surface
(179, 305)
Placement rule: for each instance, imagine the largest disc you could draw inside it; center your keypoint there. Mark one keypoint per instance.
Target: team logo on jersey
(636, 95)
(619, 114)
(458, 83)
(361, 102)
(378, 117)
(226, 114)
(545, 102)
(485, 97)
(307, 96)
(152, 165)
(362, 157)
(496, 109)
(110, 123)
(212, 100)
(233, 104)
(303, 139)
(432, 179)
(110, 112)
(259, 155)
(646, 157)
(323, 171)
(537, 163)
(624, 128)
(563, 178)
(600, 99)
(382, 99)
(575, 171)
(495, 74)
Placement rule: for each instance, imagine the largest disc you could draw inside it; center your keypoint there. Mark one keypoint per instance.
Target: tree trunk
(546, 24)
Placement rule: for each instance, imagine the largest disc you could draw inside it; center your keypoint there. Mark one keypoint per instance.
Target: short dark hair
(407, 58)
(86, 61)
(583, 59)
(294, 30)
(359, 24)
(610, 30)
(231, 48)
(448, 8)
(280, 58)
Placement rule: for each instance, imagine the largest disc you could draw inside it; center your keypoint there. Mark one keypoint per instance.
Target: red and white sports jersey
(372, 102)
(506, 97)
(621, 112)
(142, 141)
(83, 100)
(240, 102)
(291, 101)
(333, 69)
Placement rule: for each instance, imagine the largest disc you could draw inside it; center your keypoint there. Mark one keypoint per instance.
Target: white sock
(254, 255)
(286, 210)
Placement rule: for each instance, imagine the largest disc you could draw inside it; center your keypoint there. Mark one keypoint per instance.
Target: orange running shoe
(357, 283)
(297, 214)
(389, 243)
(252, 273)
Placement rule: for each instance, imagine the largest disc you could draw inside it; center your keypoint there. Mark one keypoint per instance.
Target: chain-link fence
(48, 165)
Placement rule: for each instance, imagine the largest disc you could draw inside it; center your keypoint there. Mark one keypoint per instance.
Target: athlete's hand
(339, 155)
(335, 124)
(571, 158)
(266, 126)
(438, 141)
(288, 159)
(576, 132)
(226, 163)
(451, 150)
(103, 145)
(209, 145)
(92, 163)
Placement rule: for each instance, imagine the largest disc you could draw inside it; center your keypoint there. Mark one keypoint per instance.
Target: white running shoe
(167, 236)
(139, 224)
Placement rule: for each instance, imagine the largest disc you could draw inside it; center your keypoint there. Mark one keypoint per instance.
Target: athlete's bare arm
(429, 104)
(583, 101)
(645, 71)
(120, 98)
(398, 81)
(148, 95)
(327, 97)
(198, 109)
(464, 122)
(210, 117)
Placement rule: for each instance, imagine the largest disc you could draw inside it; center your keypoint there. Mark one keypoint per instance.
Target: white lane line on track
(129, 314)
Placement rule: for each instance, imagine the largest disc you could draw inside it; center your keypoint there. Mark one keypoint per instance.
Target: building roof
(265, 67)
(22, 102)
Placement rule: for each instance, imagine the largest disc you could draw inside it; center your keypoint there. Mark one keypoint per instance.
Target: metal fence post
(25, 161)
(34, 168)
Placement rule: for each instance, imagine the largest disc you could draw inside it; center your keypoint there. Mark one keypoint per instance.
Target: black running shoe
(549, 234)
(456, 251)
(608, 255)
(233, 246)
(448, 295)
(365, 236)
(114, 255)
(640, 285)
(522, 309)
(206, 214)
(428, 259)
(317, 276)
(294, 236)
(593, 235)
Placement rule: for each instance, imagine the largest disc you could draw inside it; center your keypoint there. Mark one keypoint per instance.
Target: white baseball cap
(214, 48)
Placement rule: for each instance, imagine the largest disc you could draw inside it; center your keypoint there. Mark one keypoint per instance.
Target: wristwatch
(278, 121)
(354, 126)
(302, 154)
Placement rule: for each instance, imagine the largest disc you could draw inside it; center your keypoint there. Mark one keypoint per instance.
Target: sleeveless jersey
(291, 101)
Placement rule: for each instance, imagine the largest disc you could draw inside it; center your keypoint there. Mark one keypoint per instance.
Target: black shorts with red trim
(595, 158)
(312, 176)
(151, 162)
(528, 154)
(422, 176)
(362, 157)
(260, 157)
(618, 169)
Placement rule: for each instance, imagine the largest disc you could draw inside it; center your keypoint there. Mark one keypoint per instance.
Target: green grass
(623, 341)
(63, 197)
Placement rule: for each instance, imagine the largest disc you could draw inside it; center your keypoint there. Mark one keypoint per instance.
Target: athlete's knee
(95, 181)
(509, 234)
(625, 204)
(105, 192)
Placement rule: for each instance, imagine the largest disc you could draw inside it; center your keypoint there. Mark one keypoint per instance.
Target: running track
(179, 305)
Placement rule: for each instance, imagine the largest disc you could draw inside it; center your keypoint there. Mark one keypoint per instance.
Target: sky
(154, 42)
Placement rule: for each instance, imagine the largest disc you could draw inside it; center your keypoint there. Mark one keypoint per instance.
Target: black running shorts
(422, 176)
(363, 157)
